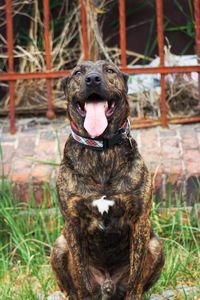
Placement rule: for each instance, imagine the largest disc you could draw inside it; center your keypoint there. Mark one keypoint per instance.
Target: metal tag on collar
(128, 126)
(126, 133)
(129, 133)
(130, 141)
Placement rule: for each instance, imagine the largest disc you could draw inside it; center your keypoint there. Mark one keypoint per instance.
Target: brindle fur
(115, 255)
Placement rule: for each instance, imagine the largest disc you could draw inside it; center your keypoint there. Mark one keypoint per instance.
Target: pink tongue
(95, 121)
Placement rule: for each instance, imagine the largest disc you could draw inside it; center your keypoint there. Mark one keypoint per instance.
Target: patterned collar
(103, 143)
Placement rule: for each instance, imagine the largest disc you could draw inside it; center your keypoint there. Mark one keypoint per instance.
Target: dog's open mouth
(96, 110)
(109, 106)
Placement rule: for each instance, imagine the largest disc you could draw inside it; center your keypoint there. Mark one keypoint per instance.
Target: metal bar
(197, 35)
(159, 15)
(184, 120)
(50, 112)
(145, 123)
(122, 20)
(84, 31)
(33, 75)
(161, 70)
(9, 35)
(26, 111)
(56, 74)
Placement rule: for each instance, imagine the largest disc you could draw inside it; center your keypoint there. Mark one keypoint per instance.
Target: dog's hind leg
(153, 263)
(140, 237)
(60, 261)
(150, 268)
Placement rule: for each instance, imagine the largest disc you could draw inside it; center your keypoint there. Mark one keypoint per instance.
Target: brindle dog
(108, 249)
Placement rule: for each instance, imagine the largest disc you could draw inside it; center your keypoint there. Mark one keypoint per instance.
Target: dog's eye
(78, 73)
(110, 71)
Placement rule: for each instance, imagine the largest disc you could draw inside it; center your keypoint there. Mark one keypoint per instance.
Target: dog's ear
(64, 84)
(125, 77)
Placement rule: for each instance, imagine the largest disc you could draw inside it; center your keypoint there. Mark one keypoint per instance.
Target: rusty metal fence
(48, 74)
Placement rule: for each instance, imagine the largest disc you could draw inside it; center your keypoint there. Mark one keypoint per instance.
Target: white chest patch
(103, 204)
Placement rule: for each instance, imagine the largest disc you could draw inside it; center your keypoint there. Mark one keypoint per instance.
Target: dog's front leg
(72, 233)
(140, 235)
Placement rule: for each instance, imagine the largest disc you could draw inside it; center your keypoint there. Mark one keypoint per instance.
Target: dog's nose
(93, 79)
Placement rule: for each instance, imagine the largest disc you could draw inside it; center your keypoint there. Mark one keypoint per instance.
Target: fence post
(84, 32)
(50, 112)
(159, 15)
(197, 35)
(122, 20)
(9, 34)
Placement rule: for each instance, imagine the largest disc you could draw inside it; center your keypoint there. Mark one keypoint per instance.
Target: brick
(149, 138)
(173, 142)
(192, 161)
(150, 155)
(8, 152)
(41, 172)
(6, 129)
(26, 145)
(172, 166)
(170, 153)
(45, 150)
(198, 137)
(189, 140)
(170, 148)
(21, 163)
(187, 128)
(197, 128)
(7, 138)
(21, 170)
(192, 168)
(48, 135)
(165, 133)
(21, 190)
(153, 166)
(21, 176)
(192, 155)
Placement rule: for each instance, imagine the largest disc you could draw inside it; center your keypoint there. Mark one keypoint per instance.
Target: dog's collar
(118, 138)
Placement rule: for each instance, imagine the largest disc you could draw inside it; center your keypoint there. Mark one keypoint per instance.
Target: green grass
(27, 233)
(180, 233)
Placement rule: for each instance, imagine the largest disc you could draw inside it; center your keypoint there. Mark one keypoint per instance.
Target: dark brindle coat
(114, 255)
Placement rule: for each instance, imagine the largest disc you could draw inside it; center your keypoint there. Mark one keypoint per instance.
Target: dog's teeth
(103, 204)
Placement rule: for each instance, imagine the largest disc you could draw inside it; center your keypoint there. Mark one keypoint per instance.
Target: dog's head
(96, 98)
